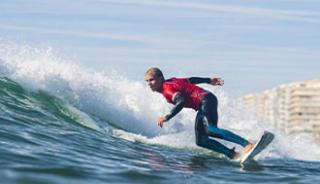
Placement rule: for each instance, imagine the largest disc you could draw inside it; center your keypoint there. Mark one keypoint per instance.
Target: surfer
(183, 92)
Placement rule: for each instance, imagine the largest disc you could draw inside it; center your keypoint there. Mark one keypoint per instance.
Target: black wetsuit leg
(206, 125)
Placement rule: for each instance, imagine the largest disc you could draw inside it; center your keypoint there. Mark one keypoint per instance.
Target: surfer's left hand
(161, 121)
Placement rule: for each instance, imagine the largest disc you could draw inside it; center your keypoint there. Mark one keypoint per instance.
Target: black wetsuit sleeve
(179, 101)
(199, 80)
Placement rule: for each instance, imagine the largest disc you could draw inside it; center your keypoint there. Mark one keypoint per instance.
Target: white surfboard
(262, 143)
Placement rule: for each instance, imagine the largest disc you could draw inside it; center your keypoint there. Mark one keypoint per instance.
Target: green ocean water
(43, 139)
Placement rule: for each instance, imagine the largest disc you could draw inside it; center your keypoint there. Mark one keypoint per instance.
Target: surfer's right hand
(161, 121)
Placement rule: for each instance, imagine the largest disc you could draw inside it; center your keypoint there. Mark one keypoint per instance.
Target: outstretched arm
(178, 100)
(212, 81)
(199, 80)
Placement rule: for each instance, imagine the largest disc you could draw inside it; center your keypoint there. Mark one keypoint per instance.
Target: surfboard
(261, 144)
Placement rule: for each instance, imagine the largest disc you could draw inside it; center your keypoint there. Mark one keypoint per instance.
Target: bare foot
(247, 148)
(236, 156)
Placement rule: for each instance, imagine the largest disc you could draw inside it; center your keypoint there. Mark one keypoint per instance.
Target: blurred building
(293, 107)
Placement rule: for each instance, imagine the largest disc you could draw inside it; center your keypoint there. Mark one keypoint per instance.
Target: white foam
(133, 107)
(113, 98)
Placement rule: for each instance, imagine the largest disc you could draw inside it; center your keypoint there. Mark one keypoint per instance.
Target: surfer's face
(154, 82)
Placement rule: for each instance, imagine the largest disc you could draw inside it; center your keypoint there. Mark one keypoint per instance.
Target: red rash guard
(193, 94)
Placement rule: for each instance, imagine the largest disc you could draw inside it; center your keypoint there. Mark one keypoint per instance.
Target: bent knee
(202, 141)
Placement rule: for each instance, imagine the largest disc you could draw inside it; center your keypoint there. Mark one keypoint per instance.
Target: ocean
(63, 123)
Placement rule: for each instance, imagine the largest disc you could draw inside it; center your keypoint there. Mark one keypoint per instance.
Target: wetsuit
(182, 92)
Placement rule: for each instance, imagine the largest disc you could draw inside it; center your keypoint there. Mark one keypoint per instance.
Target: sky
(253, 44)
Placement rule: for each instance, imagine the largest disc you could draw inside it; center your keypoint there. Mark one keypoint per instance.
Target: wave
(110, 97)
(55, 87)
(38, 107)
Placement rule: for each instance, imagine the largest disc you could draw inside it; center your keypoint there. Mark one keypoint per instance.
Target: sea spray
(132, 107)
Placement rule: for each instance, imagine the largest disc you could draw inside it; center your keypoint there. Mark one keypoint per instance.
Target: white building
(294, 107)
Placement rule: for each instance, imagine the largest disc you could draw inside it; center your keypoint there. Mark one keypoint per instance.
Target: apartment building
(293, 107)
